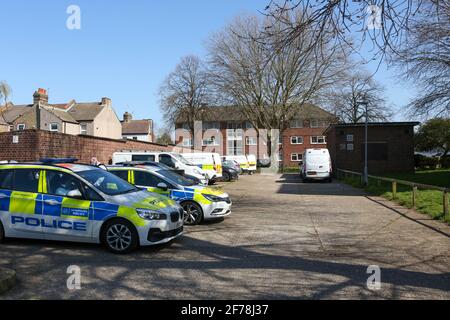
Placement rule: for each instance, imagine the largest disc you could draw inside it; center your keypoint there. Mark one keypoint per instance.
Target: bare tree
(345, 99)
(5, 91)
(425, 61)
(267, 82)
(185, 92)
(386, 23)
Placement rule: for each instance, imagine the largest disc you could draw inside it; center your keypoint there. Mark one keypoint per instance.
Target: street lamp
(365, 103)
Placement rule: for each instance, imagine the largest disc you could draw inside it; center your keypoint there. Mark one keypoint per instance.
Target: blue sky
(124, 49)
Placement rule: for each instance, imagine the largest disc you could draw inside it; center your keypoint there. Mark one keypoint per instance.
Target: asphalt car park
(283, 240)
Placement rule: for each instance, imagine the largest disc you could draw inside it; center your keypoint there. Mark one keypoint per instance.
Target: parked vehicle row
(121, 206)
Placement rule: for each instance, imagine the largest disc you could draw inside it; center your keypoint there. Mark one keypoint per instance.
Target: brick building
(226, 131)
(390, 146)
(33, 145)
(88, 118)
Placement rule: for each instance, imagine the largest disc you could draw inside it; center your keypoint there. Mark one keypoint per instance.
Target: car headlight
(213, 198)
(151, 215)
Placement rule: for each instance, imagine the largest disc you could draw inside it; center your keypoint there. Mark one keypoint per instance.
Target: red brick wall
(400, 148)
(36, 144)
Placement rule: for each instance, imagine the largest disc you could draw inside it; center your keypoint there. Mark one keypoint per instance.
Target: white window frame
(297, 138)
(187, 142)
(210, 142)
(296, 157)
(57, 127)
(83, 131)
(253, 140)
(21, 125)
(318, 137)
(350, 138)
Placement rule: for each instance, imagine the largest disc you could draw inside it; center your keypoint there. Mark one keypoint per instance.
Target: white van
(316, 165)
(242, 160)
(211, 163)
(171, 159)
(251, 159)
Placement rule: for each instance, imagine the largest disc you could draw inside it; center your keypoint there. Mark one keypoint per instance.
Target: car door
(6, 183)
(25, 205)
(67, 213)
(144, 179)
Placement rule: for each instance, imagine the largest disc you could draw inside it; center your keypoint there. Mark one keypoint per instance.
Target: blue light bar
(58, 160)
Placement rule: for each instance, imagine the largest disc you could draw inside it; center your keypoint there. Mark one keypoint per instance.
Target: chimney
(127, 117)
(106, 102)
(40, 96)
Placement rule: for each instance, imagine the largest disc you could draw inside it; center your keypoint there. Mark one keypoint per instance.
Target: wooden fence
(395, 182)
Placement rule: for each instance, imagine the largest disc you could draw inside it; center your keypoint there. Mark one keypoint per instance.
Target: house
(94, 118)
(141, 130)
(390, 146)
(228, 132)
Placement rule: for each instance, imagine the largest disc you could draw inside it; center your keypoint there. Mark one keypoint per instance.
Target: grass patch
(440, 178)
(427, 202)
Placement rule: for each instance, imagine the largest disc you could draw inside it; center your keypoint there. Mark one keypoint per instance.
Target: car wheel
(226, 176)
(2, 232)
(120, 236)
(193, 213)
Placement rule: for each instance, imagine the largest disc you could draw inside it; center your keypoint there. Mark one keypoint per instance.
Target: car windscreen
(107, 182)
(183, 159)
(176, 178)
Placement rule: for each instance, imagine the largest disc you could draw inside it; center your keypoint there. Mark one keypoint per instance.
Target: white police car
(199, 202)
(59, 200)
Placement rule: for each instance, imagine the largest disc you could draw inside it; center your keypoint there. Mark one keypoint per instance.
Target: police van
(211, 163)
(57, 199)
(171, 159)
(199, 202)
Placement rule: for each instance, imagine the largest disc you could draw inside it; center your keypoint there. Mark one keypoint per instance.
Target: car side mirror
(75, 194)
(162, 186)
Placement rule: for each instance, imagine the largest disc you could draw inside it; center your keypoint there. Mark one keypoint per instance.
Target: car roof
(74, 167)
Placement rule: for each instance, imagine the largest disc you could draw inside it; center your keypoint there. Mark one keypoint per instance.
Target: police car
(57, 199)
(199, 202)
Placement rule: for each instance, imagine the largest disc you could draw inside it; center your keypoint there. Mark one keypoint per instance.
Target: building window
(135, 138)
(54, 127)
(21, 127)
(296, 140)
(350, 147)
(296, 157)
(280, 155)
(280, 139)
(251, 141)
(342, 147)
(211, 125)
(248, 125)
(314, 123)
(235, 148)
(318, 140)
(295, 124)
(349, 138)
(210, 142)
(187, 142)
(83, 129)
